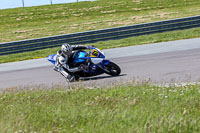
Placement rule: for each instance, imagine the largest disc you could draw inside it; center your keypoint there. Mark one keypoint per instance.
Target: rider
(63, 57)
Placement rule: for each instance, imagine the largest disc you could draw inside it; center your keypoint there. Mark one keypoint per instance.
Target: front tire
(114, 69)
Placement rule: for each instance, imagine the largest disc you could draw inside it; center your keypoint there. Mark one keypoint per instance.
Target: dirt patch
(146, 18)
(96, 7)
(22, 31)
(62, 32)
(89, 23)
(77, 15)
(64, 13)
(112, 11)
(47, 22)
(139, 19)
(4, 40)
(119, 23)
(19, 19)
(119, 3)
(75, 25)
(139, 9)
(165, 14)
(137, 1)
(63, 26)
(91, 8)
(92, 27)
(20, 37)
(132, 102)
(136, 9)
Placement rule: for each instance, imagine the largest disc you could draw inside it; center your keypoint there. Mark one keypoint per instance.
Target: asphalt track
(169, 62)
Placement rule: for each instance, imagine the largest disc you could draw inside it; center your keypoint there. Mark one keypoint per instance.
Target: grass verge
(41, 21)
(145, 39)
(126, 108)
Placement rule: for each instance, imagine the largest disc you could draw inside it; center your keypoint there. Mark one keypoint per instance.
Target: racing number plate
(95, 53)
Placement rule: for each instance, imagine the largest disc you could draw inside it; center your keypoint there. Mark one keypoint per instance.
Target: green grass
(41, 21)
(126, 108)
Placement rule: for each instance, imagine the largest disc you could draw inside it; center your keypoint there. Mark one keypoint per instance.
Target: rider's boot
(68, 76)
(71, 78)
(56, 68)
(63, 72)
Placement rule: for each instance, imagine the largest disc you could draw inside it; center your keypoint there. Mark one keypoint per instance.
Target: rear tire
(114, 69)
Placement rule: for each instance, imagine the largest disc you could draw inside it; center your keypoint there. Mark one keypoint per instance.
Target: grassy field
(34, 22)
(126, 108)
(41, 21)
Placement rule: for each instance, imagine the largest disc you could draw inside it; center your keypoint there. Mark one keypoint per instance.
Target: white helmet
(66, 49)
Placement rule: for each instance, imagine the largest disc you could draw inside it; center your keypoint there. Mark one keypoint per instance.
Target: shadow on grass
(100, 77)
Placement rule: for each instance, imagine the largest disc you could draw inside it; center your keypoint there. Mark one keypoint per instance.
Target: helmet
(66, 49)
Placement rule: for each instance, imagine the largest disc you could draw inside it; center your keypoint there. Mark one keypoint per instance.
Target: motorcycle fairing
(96, 60)
(52, 58)
(97, 53)
(106, 62)
(80, 57)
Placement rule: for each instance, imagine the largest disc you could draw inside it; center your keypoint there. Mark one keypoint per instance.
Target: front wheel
(113, 69)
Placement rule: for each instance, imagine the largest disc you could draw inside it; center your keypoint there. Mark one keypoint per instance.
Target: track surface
(163, 66)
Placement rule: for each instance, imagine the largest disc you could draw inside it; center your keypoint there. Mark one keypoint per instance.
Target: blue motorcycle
(95, 62)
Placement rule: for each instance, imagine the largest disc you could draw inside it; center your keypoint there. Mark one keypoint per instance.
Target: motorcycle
(95, 62)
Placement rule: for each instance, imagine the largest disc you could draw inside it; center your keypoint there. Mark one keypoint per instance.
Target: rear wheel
(113, 69)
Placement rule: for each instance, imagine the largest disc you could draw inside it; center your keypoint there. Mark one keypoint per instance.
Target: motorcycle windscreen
(80, 57)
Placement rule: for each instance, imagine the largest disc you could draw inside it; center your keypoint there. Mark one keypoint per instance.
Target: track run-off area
(167, 62)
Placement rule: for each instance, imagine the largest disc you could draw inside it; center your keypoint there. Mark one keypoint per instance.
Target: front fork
(103, 64)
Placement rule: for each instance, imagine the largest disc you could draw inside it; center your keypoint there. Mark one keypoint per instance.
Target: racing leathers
(63, 66)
